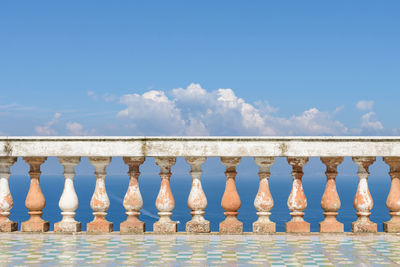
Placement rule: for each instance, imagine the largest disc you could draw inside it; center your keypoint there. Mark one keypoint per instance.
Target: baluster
(297, 201)
(230, 200)
(6, 201)
(363, 201)
(393, 199)
(264, 201)
(69, 200)
(165, 202)
(330, 201)
(197, 200)
(133, 201)
(100, 202)
(35, 200)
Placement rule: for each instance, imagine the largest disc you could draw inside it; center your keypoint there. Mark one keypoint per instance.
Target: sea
(213, 186)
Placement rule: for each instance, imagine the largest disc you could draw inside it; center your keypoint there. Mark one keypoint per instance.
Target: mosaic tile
(274, 250)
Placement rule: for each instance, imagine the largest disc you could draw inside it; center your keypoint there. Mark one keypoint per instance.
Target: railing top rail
(206, 138)
(209, 146)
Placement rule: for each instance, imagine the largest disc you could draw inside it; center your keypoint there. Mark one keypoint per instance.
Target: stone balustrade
(134, 150)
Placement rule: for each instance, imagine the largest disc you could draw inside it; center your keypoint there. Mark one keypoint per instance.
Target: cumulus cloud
(192, 93)
(265, 107)
(369, 121)
(365, 105)
(152, 113)
(71, 128)
(315, 122)
(47, 129)
(75, 128)
(196, 111)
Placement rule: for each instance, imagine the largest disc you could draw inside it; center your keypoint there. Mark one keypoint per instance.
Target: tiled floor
(18, 249)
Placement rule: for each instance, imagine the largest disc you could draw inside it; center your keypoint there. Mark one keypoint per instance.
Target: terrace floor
(280, 249)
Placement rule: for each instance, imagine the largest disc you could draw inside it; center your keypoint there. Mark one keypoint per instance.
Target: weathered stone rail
(134, 150)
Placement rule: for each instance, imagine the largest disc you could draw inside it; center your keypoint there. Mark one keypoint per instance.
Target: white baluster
(69, 200)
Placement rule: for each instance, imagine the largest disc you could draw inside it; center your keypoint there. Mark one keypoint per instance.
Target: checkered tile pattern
(199, 250)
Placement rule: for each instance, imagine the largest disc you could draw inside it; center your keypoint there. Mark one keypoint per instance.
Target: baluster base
(35, 225)
(99, 225)
(391, 227)
(165, 227)
(132, 226)
(364, 226)
(264, 227)
(331, 227)
(297, 227)
(198, 226)
(67, 227)
(231, 225)
(8, 226)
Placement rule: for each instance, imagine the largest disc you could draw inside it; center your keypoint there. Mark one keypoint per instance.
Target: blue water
(247, 186)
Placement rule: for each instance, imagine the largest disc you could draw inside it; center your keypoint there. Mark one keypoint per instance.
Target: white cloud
(196, 127)
(92, 94)
(152, 113)
(369, 121)
(315, 122)
(75, 128)
(192, 93)
(365, 105)
(338, 109)
(195, 111)
(265, 107)
(47, 129)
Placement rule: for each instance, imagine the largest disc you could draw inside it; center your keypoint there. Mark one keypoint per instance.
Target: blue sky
(199, 67)
(72, 62)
